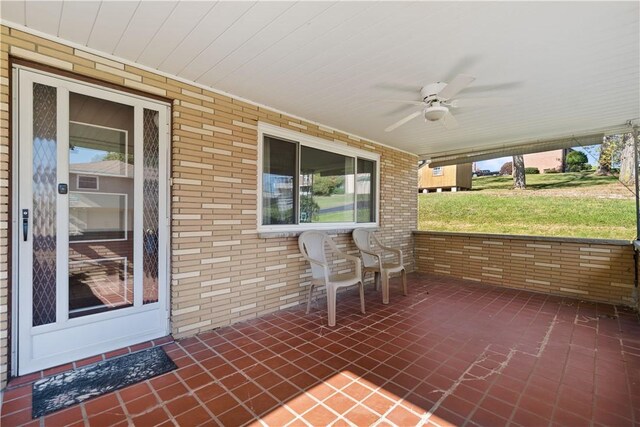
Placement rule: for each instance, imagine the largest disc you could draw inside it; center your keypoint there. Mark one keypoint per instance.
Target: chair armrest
(315, 261)
(324, 265)
(355, 259)
(398, 252)
(375, 254)
(344, 255)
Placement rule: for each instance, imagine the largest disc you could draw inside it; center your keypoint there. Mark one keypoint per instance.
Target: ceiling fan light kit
(435, 112)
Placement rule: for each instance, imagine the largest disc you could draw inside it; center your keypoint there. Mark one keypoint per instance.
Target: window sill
(296, 231)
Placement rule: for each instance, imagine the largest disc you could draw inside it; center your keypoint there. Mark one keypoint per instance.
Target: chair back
(362, 238)
(311, 245)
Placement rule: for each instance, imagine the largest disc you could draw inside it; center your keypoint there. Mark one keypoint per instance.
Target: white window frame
(266, 129)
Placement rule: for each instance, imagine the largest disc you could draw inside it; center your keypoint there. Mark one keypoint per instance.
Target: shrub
(506, 169)
(577, 161)
(552, 170)
(531, 171)
(325, 185)
(309, 209)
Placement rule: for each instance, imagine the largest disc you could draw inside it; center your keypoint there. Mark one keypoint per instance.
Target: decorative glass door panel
(150, 194)
(93, 220)
(44, 203)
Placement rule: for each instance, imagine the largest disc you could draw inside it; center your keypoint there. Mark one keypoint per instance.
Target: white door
(92, 220)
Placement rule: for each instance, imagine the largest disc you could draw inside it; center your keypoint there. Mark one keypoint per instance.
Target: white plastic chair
(312, 247)
(373, 260)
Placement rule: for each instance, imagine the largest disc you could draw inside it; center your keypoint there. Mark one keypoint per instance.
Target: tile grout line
(482, 357)
(369, 371)
(298, 415)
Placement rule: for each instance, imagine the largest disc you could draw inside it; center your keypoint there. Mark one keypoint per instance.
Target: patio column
(634, 135)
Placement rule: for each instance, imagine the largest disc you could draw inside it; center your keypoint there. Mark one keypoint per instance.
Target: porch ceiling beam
(525, 147)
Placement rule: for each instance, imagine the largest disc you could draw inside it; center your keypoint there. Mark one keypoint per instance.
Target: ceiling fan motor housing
(430, 91)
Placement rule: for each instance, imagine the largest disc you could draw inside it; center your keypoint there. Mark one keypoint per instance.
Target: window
(437, 171)
(308, 182)
(87, 182)
(279, 182)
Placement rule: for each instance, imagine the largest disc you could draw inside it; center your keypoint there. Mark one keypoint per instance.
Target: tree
(627, 171)
(506, 169)
(326, 185)
(519, 177)
(610, 155)
(604, 160)
(115, 156)
(576, 160)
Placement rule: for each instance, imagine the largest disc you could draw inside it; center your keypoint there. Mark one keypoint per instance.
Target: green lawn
(547, 181)
(335, 201)
(578, 205)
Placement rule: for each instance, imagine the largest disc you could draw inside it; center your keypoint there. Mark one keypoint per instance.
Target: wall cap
(296, 233)
(527, 237)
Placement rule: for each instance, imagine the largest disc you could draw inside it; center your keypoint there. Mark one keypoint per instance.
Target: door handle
(25, 224)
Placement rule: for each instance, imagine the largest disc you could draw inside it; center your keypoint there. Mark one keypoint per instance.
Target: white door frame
(36, 348)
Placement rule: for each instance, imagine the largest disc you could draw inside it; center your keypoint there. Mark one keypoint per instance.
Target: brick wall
(545, 160)
(597, 270)
(221, 271)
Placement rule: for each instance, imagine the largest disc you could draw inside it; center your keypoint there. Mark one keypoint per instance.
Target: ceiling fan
(437, 99)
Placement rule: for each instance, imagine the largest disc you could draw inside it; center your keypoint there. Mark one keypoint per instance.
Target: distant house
(555, 159)
(452, 177)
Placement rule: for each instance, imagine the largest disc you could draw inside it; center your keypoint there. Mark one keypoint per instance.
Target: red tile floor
(450, 353)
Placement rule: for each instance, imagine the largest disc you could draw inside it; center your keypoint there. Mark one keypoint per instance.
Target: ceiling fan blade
(404, 101)
(403, 121)
(495, 87)
(481, 102)
(456, 85)
(449, 121)
(463, 64)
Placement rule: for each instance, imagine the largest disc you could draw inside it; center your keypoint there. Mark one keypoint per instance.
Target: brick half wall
(589, 269)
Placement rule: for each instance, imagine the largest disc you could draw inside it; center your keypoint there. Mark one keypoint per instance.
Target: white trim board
(186, 81)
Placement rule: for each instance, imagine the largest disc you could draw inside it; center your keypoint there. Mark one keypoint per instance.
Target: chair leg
(385, 287)
(376, 280)
(331, 305)
(404, 282)
(362, 297)
(309, 299)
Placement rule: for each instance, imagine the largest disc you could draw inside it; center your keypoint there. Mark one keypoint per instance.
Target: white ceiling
(570, 67)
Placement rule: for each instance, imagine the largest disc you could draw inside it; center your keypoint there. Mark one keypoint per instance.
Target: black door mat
(69, 388)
